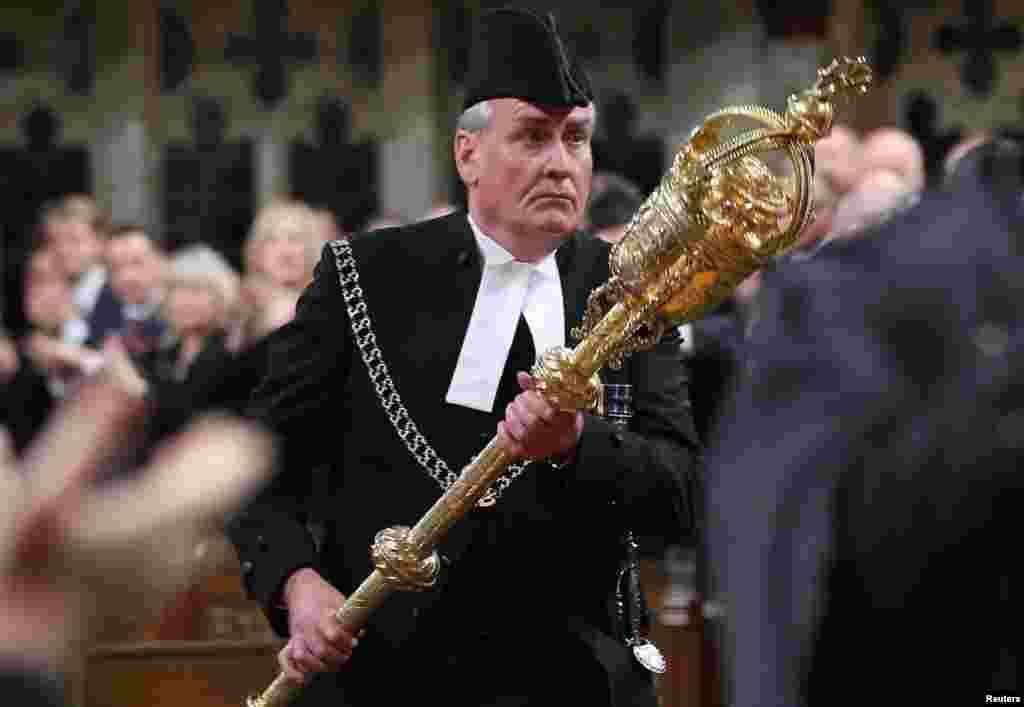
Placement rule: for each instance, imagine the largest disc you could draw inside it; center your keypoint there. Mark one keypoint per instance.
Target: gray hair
(475, 118)
(478, 116)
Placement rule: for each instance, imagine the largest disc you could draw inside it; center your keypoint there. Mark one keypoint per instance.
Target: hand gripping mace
(718, 215)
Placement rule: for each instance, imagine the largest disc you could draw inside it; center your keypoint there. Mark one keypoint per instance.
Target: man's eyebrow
(585, 122)
(533, 120)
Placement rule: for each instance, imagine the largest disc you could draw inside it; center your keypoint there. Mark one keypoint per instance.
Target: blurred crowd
(183, 318)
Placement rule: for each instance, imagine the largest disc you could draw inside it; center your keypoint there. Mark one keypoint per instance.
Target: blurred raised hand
(73, 552)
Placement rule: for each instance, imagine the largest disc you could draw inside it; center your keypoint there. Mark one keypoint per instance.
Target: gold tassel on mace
(718, 215)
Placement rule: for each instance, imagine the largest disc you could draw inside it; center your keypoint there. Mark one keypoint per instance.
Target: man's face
(76, 246)
(532, 168)
(136, 269)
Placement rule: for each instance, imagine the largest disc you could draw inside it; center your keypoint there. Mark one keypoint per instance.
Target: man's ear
(467, 157)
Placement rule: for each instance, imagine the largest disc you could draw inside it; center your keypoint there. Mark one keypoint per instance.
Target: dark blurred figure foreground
(864, 482)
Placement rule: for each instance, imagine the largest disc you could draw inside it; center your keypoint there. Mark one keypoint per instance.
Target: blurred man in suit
(74, 229)
(863, 484)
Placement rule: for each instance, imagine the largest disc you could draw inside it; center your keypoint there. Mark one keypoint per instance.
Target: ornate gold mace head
(721, 212)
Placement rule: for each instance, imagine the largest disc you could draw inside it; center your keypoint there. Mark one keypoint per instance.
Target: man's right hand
(318, 643)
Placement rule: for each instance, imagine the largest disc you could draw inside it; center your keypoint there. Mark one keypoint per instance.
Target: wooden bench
(178, 673)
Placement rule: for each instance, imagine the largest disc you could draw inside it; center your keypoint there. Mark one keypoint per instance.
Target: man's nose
(559, 161)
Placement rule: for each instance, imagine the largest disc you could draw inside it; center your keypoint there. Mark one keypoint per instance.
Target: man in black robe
(459, 308)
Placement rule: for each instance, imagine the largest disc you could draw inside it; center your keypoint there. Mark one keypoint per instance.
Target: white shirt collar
(87, 291)
(494, 254)
(508, 289)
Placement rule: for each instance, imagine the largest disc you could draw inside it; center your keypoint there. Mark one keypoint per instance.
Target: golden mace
(719, 214)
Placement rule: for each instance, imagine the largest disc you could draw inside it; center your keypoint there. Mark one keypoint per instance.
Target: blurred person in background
(202, 296)
(838, 166)
(878, 194)
(825, 200)
(48, 366)
(198, 373)
(997, 162)
(73, 228)
(838, 159)
(282, 245)
(612, 207)
(279, 254)
(138, 276)
(897, 151)
(867, 472)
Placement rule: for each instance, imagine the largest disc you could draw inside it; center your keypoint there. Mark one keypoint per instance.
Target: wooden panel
(173, 674)
(683, 636)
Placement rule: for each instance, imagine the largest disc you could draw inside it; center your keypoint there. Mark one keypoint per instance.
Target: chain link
(387, 393)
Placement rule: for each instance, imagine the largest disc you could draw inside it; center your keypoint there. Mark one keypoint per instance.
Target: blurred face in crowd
(282, 258)
(76, 245)
(48, 301)
(136, 267)
(528, 173)
(194, 309)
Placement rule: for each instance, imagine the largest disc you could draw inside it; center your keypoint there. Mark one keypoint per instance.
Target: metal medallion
(649, 656)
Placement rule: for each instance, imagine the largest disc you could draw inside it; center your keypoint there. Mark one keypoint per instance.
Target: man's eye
(536, 137)
(577, 137)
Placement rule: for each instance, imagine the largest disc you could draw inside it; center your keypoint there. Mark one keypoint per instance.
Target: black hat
(518, 54)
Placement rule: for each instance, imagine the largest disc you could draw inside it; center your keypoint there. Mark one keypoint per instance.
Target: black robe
(525, 596)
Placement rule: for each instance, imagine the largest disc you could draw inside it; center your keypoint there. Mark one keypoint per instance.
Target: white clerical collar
(495, 254)
(508, 289)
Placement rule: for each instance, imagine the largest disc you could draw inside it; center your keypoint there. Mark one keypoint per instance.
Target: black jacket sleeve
(306, 363)
(651, 466)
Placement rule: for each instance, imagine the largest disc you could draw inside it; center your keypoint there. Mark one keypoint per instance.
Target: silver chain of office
(387, 393)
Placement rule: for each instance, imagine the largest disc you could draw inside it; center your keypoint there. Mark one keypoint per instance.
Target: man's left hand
(534, 429)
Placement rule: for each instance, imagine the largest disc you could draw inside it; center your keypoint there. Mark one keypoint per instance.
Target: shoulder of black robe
(861, 452)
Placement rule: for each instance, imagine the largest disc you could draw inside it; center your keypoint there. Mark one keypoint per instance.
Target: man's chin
(559, 225)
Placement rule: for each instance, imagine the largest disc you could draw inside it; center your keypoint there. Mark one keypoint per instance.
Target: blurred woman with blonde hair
(280, 252)
(283, 244)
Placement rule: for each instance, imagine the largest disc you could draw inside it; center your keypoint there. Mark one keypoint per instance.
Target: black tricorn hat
(518, 54)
